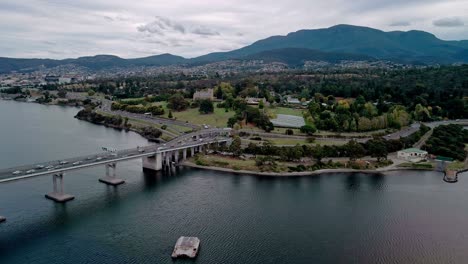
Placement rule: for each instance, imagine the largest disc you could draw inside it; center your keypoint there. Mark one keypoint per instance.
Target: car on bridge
(17, 172)
(30, 171)
(76, 163)
(63, 162)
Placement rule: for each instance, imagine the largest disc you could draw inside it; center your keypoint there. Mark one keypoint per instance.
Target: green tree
(318, 153)
(62, 94)
(206, 107)
(354, 150)
(170, 114)
(177, 102)
(236, 146)
(261, 105)
(308, 129)
(91, 92)
(377, 148)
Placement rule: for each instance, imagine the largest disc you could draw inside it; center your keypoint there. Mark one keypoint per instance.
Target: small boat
(186, 247)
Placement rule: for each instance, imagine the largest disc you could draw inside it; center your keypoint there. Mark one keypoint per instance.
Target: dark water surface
(405, 217)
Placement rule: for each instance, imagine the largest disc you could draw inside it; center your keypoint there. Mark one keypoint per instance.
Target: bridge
(155, 157)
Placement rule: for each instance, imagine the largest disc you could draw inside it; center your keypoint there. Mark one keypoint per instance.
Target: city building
(203, 94)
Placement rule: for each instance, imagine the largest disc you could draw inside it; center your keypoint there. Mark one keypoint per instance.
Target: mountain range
(334, 44)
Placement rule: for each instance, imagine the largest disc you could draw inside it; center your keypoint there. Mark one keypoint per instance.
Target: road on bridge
(59, 166)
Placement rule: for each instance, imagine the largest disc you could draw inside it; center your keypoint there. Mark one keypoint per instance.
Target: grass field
(293, 142)
(456, 165)
(219, 118)
(236, 163)
(285, 111)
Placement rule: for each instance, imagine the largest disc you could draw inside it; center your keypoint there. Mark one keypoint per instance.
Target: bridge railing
(214, 133)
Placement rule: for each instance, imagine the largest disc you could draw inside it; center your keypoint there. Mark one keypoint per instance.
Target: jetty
(186, 247)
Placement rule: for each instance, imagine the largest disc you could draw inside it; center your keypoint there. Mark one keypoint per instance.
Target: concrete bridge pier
(184, 154)
(58, 195)
(110, 178)
(154, 163)
(168, 160)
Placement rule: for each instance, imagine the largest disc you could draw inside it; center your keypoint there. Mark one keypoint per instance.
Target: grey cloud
(162, 25)
(400, 24)
(204, 31)
(449, 22)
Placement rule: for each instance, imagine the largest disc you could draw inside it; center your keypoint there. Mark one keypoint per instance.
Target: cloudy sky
(137, 28)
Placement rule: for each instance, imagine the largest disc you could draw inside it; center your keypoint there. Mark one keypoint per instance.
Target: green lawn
(219, 118)
(285, 111)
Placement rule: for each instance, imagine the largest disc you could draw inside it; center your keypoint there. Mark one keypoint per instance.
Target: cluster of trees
(253, 115)
(139, 109)
(150, 132)
(327, 113)
(91, 116)
(377, 148)
(46, 98)
(448, 141)
(12, 90)
(177, 102)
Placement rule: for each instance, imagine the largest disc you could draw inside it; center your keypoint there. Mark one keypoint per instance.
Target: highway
(106, 107)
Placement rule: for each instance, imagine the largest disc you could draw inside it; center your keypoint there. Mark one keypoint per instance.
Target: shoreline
(298, 174)
(122, 128)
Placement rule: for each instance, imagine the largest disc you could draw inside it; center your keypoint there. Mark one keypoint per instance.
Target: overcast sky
(137, 28)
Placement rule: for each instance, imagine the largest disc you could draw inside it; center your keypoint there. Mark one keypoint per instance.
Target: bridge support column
(184, 154)
(110, 178)
(153, 163)
(176, 156)
(168, 159)
(58, 195)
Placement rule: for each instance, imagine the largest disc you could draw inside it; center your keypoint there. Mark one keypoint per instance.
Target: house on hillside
(203, 94)
(412, 154)
(256, 101)
(292, 101)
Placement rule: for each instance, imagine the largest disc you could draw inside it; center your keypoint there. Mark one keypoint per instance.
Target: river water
(404, 217)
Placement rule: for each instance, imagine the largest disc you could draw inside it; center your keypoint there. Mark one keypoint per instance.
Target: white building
(412, 154)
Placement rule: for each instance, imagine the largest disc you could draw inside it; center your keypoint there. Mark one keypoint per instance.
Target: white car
(49, 167)
(30, 171)
(63, 162)
(98, 158)
(40, 166)
(17, 172)
(76, 163)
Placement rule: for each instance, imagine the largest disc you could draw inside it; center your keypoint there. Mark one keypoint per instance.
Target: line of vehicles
(63, 163)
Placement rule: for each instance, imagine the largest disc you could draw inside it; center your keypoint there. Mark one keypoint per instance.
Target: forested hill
(396, 45)
(334, 44)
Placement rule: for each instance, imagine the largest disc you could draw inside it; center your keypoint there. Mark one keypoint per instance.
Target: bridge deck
(61, 166)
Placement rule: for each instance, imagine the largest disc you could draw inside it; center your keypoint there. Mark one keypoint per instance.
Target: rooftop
(414, 150)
